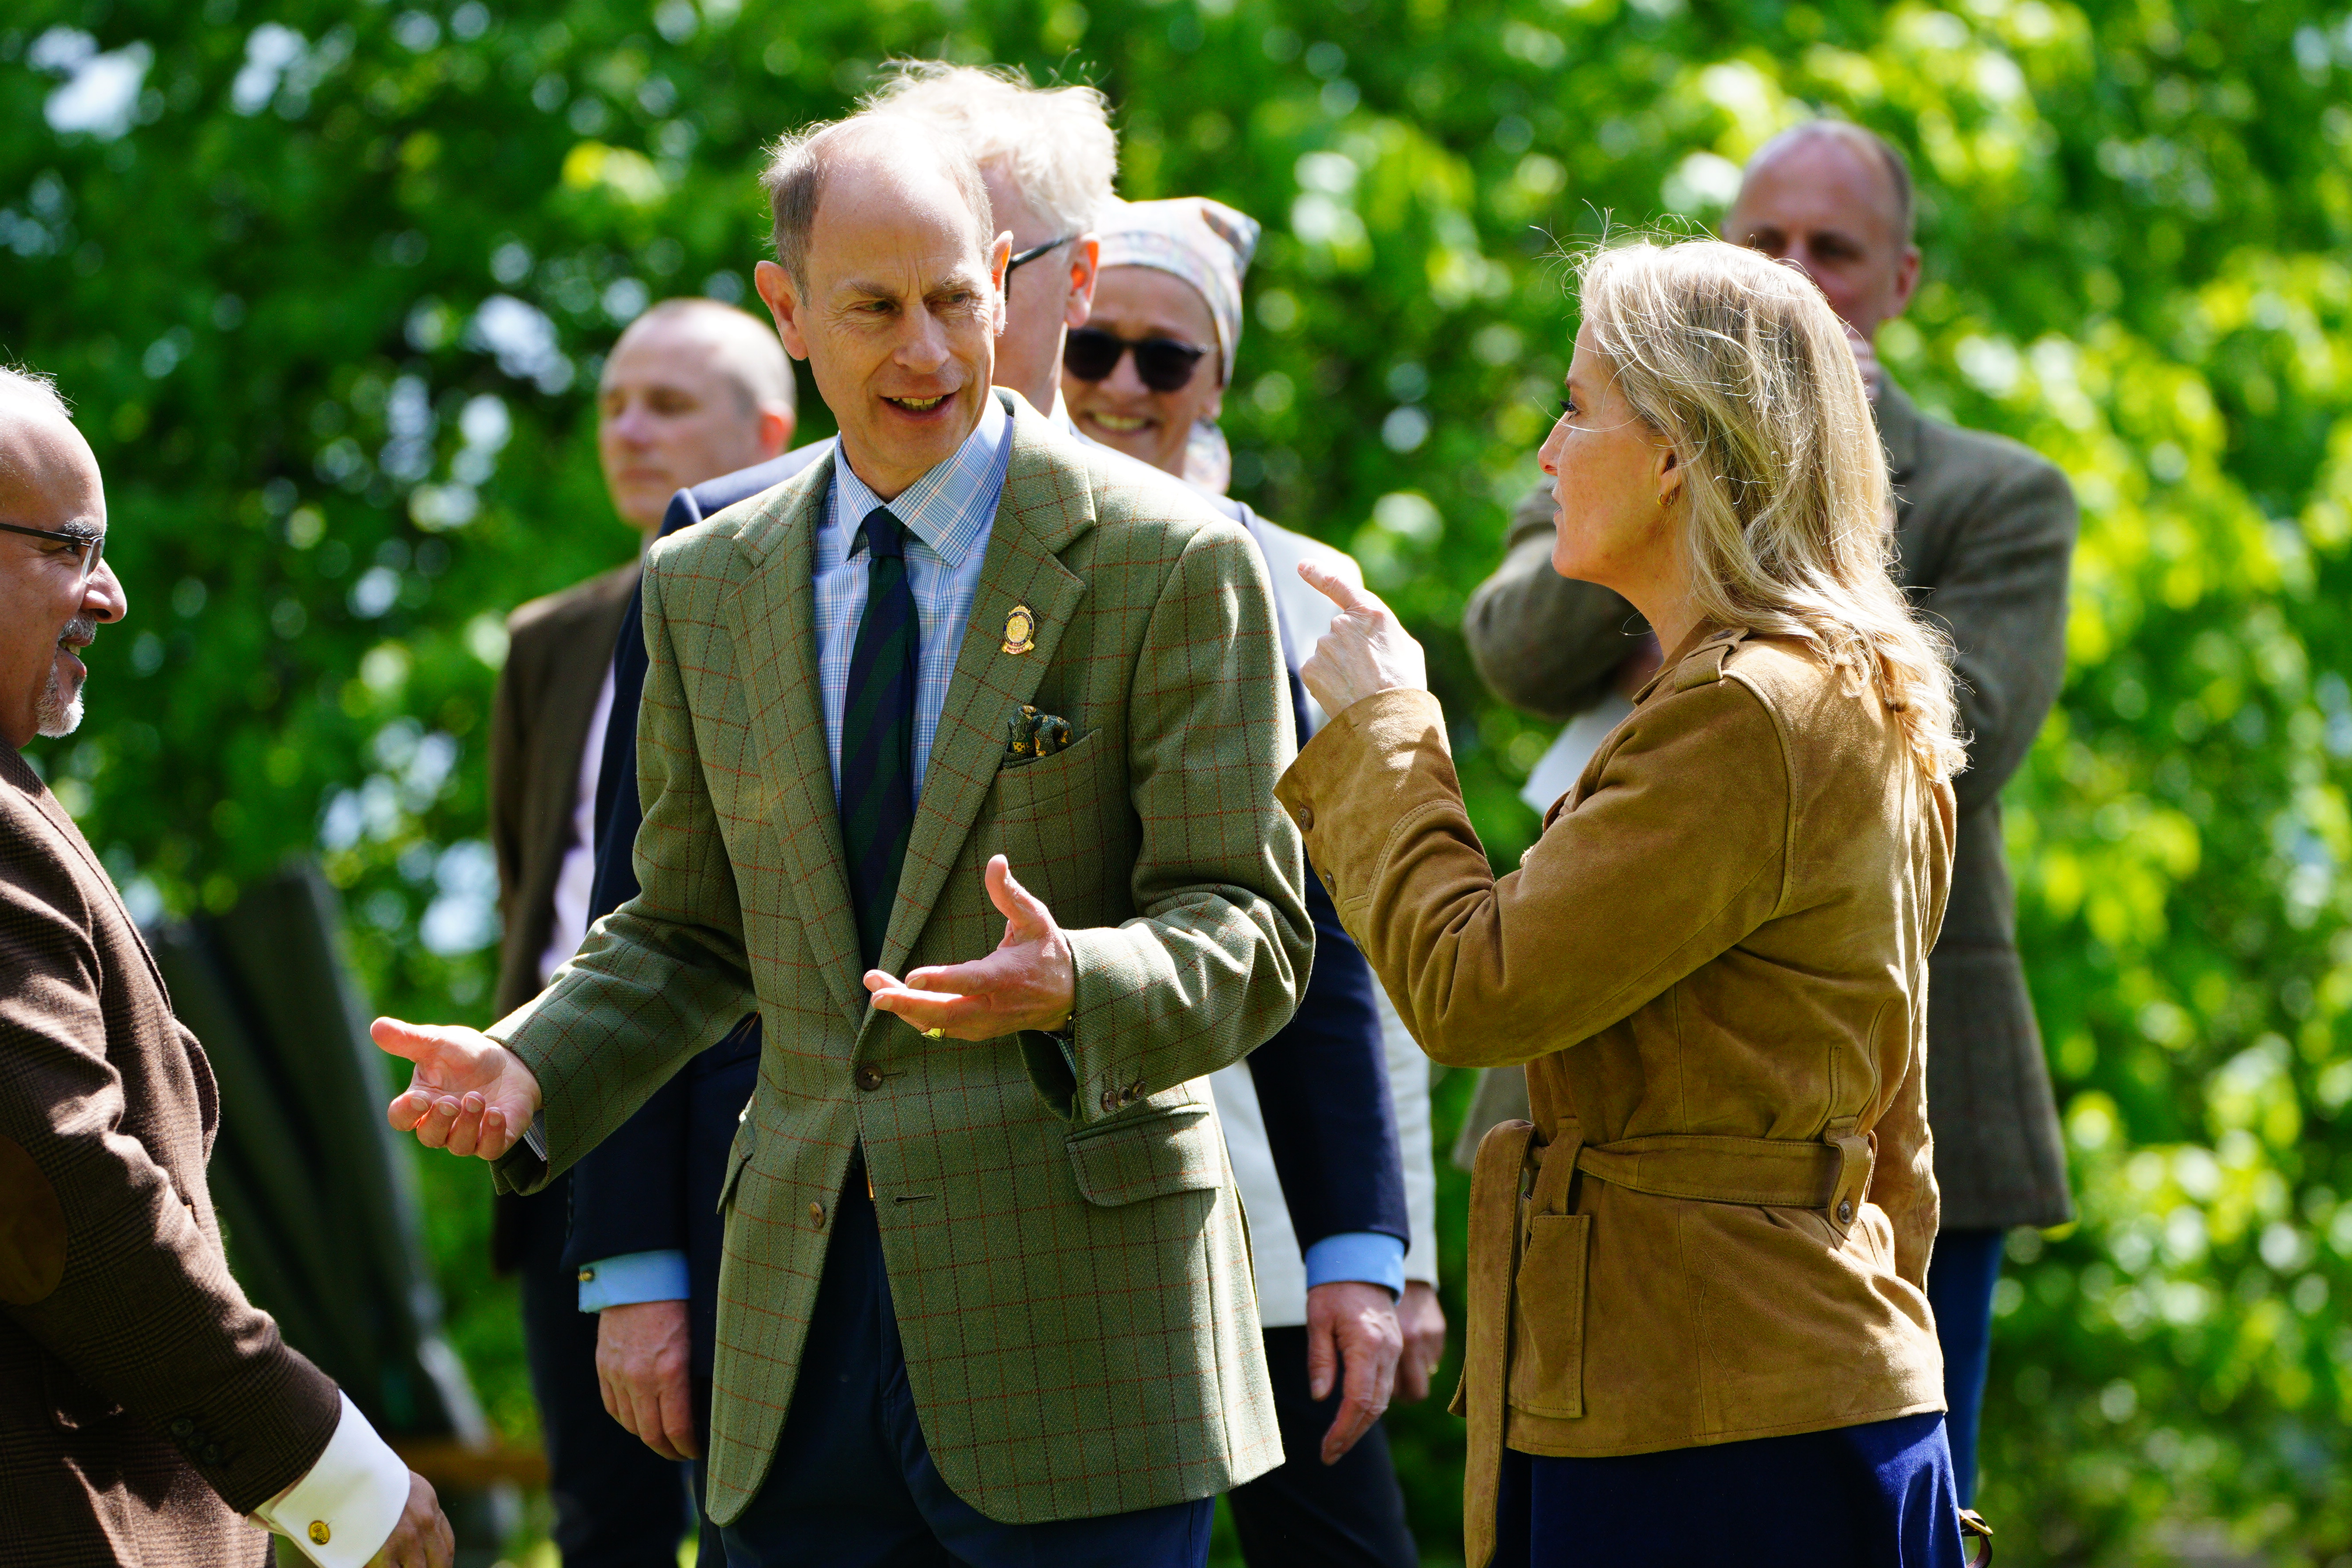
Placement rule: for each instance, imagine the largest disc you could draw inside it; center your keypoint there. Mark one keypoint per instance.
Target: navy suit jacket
(1322, 1080)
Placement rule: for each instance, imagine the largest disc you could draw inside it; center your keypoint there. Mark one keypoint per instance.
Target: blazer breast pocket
(1180, 1150)
(1052, 813)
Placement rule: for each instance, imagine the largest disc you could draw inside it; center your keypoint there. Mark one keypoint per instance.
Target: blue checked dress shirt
(949, 514)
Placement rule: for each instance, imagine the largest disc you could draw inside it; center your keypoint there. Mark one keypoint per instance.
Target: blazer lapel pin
(1030, 734)
(1019, 629)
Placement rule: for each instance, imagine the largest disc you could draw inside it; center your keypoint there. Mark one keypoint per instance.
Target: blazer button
(1845, 1211)
(817, 1216)
(1110, 1100)
(867, 1077)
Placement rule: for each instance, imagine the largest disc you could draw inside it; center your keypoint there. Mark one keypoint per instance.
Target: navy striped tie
(877, 733)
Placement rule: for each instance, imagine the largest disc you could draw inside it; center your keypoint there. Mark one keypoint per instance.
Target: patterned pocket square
(1030, 734)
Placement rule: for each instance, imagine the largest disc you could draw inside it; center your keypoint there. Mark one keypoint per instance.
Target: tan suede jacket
(1713, 962)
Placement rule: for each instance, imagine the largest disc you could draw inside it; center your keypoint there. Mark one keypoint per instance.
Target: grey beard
(55, 714)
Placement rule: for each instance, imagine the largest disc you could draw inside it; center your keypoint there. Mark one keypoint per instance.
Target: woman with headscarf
(1699, 1328)
(1146, 375)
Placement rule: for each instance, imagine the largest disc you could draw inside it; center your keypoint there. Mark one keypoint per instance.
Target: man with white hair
(693, 388)
(147, 1412)
(1326, 1083)
(986, 1296)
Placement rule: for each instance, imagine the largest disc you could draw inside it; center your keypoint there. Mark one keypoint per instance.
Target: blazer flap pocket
(1029, 786)
(1179, 1150)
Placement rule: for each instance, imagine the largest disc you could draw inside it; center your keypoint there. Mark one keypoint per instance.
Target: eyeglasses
(1032, 254)
(1163, 363)
(91, 546)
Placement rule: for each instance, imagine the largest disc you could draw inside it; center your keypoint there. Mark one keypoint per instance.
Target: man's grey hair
(1867, 142)
(800, 162)
(1054, 144)
(19, 382)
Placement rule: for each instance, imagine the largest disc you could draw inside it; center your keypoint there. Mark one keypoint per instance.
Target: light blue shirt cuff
(1360, 1254)
(636, 1277)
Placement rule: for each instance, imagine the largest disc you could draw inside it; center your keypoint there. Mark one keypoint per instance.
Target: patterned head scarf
(1209, 246)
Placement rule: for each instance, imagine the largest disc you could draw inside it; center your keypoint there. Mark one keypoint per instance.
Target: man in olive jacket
(986, 1285)
(1985, 530)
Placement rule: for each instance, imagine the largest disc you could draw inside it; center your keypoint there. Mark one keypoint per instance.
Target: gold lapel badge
(1020, 629)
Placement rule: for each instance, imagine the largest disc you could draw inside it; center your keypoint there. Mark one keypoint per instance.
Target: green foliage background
(332, 471)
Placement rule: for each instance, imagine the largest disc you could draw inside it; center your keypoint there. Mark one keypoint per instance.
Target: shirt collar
(948, 508)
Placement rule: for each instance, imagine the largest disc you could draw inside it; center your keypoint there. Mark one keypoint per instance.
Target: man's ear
(999, 255)
(1906, 281)
(783, 302)
(1086, 263)
(776, 426)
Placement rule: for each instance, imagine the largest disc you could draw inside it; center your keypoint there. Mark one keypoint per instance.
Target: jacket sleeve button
(1110, 1100)
(184, 1427)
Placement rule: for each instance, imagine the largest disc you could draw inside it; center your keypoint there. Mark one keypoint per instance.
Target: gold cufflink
(319, 1533)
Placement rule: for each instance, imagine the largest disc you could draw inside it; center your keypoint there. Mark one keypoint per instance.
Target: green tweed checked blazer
(1066, 1248)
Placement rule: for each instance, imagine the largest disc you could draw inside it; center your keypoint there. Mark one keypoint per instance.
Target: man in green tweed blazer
(1023, 1143)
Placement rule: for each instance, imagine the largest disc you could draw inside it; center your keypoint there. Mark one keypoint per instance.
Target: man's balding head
(888, 282)
(49, 606)
(1837, 201)
(693, 390)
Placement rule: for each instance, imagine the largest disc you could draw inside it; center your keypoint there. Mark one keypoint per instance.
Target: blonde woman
(1698, 1332)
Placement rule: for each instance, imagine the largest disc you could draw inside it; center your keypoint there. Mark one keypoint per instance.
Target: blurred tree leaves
(327, 284)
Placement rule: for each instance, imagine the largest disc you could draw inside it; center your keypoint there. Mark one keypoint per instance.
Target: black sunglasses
(92, 546)
(1015, 263)
(1163, 363)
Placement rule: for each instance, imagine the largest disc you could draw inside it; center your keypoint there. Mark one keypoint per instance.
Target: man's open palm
(1029, 981)
(468, 1094)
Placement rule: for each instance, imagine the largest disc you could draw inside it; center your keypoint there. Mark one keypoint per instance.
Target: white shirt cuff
(342, 1512)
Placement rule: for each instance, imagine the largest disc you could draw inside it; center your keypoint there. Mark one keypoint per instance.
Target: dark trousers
(1961, 1273)
(1877, 1496)
(1306, 1514)
(851, 1484)
(618, 1504)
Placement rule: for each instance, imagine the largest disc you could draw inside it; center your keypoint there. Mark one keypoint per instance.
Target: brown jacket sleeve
(1489, 971)
(102, 1262)
(1540, 642)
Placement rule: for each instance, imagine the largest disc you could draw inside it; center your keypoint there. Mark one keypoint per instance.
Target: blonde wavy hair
(1739, 363)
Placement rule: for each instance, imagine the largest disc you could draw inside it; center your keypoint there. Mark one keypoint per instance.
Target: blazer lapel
(773, 617)
(1046, 504)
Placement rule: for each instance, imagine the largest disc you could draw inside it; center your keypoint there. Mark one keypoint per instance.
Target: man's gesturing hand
(469, 1094)
(641, 1356)
(421, 1538)
(1352, 1324)
(1365, 652)
(1028, 982)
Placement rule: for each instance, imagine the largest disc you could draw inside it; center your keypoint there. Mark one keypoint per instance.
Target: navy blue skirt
(1879, 1496)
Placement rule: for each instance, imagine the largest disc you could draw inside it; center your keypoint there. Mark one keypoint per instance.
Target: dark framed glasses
(1022, 259)
(1162, 364)
(91, 545)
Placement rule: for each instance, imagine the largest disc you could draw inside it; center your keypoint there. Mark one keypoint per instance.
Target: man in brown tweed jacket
(986, 1290)
(1984, 531)
(145, 1405)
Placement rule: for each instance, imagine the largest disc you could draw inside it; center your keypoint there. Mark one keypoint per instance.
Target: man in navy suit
(1322, 1080)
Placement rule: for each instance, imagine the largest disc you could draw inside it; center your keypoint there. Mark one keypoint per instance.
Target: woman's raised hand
(1367, 650)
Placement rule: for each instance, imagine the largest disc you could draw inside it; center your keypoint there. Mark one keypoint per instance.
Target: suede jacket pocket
(1547, 1316)
(1179, 1150)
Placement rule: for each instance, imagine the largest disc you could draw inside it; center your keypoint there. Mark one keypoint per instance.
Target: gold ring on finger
(933, 1034)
